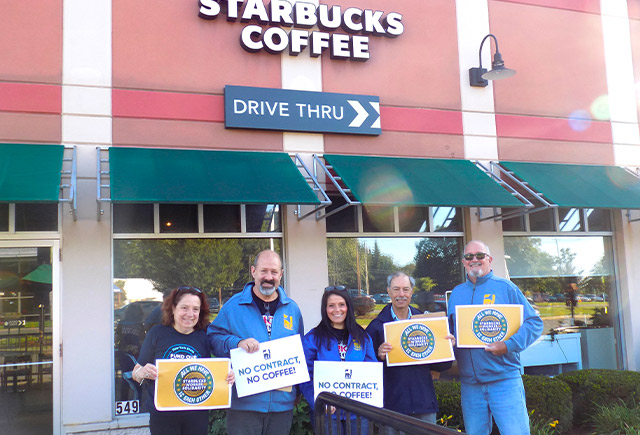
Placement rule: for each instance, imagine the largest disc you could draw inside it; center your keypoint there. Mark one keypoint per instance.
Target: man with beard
(261, 312)
(490, 380)
(407, 389)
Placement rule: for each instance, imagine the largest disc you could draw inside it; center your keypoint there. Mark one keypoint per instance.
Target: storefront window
(147, 268)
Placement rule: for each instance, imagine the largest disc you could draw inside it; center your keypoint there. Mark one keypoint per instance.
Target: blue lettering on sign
(288, 110)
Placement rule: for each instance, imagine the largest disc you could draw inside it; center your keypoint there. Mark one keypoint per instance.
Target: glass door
(28, 291)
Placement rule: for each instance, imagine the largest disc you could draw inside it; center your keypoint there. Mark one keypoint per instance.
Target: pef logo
(193, 384)
(490, 326)
(417, 341)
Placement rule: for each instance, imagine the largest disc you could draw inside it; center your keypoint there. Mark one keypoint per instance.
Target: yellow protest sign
(481, 325)
(418, 341)
(192, 384)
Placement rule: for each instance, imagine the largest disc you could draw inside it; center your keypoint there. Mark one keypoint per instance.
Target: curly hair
(172, 300)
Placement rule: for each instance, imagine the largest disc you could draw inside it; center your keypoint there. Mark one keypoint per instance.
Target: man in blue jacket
(261, 312)
(407, 389)
(491, 384)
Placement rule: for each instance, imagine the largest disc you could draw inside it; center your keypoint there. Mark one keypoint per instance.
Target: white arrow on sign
(376, 107)
(362, 113)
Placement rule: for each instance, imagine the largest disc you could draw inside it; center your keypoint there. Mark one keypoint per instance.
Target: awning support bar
(102, 173)
(528, 206)
(312, 179)
(335, 180)
(68, 179)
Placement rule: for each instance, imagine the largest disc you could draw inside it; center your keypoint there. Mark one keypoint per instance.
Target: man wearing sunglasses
(261, 312)
(491, 384)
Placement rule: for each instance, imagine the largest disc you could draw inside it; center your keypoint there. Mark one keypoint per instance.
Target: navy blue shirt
(164, 342)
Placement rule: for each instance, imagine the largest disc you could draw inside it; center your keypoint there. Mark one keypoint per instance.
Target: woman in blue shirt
(338, 337)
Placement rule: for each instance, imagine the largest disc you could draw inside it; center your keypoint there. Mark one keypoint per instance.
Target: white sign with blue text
(288, 110)
(361, 381)
(278, 363)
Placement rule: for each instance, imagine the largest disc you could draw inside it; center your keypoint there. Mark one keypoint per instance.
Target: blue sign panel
(287, 110)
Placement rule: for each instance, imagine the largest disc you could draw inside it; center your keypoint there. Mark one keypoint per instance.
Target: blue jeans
(504, 400)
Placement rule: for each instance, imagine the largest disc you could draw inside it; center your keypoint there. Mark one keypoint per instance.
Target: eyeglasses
(187, 288)
(335, 287)
(478, 255)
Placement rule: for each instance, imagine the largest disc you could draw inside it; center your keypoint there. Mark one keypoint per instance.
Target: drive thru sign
(287, 110)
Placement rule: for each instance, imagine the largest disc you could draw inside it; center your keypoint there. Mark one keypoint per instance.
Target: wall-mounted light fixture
(479, 76)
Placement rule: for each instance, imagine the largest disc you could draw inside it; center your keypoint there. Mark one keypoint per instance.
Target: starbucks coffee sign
(280, 25)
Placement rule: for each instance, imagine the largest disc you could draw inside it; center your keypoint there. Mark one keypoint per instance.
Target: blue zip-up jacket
(407, 389)
(355, 352)
(476, 365)
(240, 318)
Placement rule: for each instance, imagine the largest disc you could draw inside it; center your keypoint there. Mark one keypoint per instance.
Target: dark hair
(322, 332)
(171, 301)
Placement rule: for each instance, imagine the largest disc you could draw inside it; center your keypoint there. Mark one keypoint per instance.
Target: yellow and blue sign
(192, 384)
(289, 110)
(481, 325)
(418, 340)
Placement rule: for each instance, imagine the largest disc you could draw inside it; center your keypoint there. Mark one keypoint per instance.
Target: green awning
(580, 186)
(181, 176)
(30, 173)
(41, 274)
(414, 181)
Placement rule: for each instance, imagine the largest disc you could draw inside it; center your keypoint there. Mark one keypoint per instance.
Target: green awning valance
(180, 176)
(30, 173)
(414, 181)
(581, 186)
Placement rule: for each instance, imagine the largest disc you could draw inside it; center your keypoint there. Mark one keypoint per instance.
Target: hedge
(550, 400)
(592, 388)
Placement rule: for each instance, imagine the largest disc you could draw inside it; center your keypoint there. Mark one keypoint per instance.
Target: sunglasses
(187, 288)
(478, 255)
(335, 287)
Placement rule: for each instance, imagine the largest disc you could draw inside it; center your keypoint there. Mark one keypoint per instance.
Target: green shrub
(301, 424)
(448, 394)
(616, 419)
(594, 387)
(217, 422)
(550, 400)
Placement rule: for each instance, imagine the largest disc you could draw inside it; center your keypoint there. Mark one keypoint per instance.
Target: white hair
(480, 242)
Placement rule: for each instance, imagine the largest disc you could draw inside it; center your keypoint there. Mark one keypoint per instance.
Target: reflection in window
(413, 219)
(377, 219)
(447, 219)
(263, 218)
(547, 269)
(364, 263)
(147, 269)
(570, 219)
(178, 218)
